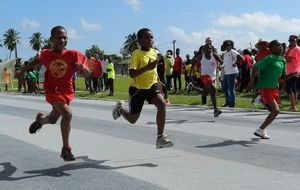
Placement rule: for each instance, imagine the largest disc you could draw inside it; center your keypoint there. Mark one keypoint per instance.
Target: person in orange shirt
(292, 58)
(6, 78)
(88, 79)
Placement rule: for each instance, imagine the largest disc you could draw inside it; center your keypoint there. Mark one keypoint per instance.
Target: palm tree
(47, 44)
(10, 41)
(36, 41)
(130, 44)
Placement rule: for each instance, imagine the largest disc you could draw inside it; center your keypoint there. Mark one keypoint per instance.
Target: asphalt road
(209, 153)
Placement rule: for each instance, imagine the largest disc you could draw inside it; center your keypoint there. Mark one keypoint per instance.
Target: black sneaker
(217, 112)
(66, 154)
(35, 126)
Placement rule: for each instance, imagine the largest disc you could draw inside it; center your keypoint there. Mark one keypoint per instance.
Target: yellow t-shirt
(140, 59)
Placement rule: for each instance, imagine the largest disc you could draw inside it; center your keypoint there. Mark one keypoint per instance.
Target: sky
(106, 23)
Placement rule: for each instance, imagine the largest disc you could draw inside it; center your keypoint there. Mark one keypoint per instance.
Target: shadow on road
(230, 143)
(9, 169)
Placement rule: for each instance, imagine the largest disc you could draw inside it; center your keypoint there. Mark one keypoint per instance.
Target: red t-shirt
(248, 60)
(60, 68)
(178, 64)
(262, 54)
(97, 72)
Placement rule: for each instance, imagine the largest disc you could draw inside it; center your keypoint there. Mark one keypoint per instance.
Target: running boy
(209, 62)
(144, 87)
(61, 64)
(271, 68)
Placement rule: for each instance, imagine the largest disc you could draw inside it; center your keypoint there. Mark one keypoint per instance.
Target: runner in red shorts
(61, 64)
(209, 63)
(271, 68)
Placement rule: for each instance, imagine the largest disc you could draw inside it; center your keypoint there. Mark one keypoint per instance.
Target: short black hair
(273, 43)
(142, 31)
(170, 51)
(55, 28)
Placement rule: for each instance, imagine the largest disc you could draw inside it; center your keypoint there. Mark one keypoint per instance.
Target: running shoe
(256, 100)
(163, 142)
(217, 112)
(189, 87)
(116, 111)
(66, 154)
(35, 126)
(261, 133)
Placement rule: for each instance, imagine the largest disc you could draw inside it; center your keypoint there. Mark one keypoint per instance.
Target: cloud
(29, 24)
(89, 26)
(72, 34)
(260, 22)
(193, 40)
(135, 4)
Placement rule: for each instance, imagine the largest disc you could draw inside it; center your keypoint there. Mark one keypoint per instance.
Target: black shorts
(137, 97)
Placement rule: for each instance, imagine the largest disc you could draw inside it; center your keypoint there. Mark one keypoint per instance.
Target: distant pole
(250, 45)
(174, 46)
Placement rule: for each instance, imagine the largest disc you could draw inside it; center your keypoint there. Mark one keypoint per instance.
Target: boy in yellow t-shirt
(144, 86)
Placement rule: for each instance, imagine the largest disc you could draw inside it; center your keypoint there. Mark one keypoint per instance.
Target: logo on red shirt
(58, 68)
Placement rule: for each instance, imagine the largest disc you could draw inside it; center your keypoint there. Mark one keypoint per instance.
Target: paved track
(209, 153)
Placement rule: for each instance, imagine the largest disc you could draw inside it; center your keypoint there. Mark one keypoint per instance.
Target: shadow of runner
(230, 143)
(60, 171)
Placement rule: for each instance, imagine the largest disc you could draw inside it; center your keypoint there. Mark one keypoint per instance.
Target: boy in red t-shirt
(61, 64)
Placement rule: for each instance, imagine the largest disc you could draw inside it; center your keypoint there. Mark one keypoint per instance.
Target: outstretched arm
(27, 67)
(84, 70)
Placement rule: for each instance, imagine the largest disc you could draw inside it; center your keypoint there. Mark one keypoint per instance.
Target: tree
(129, 45)
(10, 41)
(47, 44)
(36, 41)
(95, 50)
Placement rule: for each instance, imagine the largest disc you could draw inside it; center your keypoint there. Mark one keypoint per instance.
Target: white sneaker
(189, 87)
(163, 142)
(257, 100)
(116, 111)
(261, 133)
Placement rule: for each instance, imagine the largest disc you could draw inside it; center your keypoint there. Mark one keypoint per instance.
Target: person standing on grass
(61, 64)
(177, 69)
(144, 86)
(231, 60)
(269, 70)
(110, 69)
(6, 75)
(209, 63)
(169, 62)
(292, 58)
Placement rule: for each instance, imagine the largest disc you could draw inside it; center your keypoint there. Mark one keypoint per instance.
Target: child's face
(59, 40)
(146, 41)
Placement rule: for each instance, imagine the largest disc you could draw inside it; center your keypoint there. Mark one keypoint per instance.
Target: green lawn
(243, 100)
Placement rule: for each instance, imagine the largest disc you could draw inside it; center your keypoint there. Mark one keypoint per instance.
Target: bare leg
(65, 111)
(160, 104)
(274, 110)
(131, 118)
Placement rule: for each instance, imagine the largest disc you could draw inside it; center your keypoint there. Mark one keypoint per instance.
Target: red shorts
(269, 95)
(54, 97)
(207, 80)
(34, 84)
